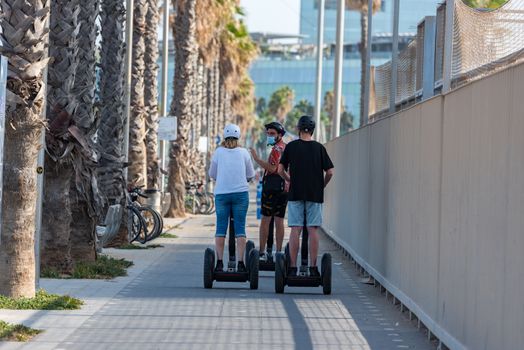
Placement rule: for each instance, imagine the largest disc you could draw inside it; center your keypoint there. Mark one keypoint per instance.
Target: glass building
(269, 72)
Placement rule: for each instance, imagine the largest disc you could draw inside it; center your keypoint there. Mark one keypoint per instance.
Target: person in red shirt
(274, 188)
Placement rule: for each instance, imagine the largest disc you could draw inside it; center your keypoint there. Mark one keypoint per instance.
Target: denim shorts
(235, 204)
(295, 214)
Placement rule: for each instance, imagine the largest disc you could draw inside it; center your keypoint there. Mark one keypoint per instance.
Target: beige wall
(431, 202)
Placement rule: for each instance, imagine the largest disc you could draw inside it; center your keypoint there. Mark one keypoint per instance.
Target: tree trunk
(24, 121)
(112, 117)
(61, 104)
(137, 128)
(151, 94)
(363, 60)
(84, 196)
(186, 54)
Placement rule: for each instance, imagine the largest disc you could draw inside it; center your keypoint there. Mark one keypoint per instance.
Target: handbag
(273, 184)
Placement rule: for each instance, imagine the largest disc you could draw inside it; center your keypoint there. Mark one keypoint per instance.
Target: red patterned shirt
(274, 159)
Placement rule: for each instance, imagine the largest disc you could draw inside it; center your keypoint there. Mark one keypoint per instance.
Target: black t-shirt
(307, 161)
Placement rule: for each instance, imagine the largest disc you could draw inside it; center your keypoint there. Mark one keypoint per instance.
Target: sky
(272, 16)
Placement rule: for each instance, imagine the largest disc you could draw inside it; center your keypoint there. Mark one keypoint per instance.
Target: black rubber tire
(326, 273)
(138, 225)
(280, 273)
(253, 268)
(209, 266)
(249, 247)
(287, 258)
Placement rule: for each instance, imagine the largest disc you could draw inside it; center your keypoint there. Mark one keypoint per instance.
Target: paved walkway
(162, 305)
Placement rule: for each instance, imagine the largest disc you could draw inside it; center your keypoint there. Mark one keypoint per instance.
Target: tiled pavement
(162, 305)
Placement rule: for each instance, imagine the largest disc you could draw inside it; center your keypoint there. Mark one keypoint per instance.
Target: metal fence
(483, 42)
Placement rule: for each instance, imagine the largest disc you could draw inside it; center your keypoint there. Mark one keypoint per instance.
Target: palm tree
(84, 195)
(112, 117)
(362, 7)
(61, 104)
(25, 27)
(281, 103)
(151, 93)
(137, 129)
(186, 55)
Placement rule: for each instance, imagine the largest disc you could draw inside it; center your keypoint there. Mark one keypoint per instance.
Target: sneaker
(313, 271)
(241, 267)
(292, 272)
(263, 257)
(220, 266)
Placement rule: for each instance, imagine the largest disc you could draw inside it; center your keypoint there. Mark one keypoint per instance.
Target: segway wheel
(253, 268)
(249, 247)
(280, 273)
(209, 266)
(326, 273)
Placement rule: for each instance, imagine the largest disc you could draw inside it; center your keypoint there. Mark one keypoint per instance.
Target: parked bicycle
(145, 223)
(198, 200)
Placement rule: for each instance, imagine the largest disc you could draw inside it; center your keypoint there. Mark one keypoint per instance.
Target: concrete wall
(430, 201)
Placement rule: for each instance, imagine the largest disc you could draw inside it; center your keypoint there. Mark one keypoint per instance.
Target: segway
(302, 279)
(269, 264)
(231, 274)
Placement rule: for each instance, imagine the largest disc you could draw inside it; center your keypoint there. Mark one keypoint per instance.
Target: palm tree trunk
(137, 129)
(23, 128)
(151, 94)
(363, 59)
(84, 196)
(61, 104)
(112, 118)
(186, 54)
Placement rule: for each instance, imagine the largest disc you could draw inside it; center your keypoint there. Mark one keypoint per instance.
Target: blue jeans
(231, 202)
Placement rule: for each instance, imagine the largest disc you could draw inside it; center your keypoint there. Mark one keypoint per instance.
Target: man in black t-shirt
(307, 166)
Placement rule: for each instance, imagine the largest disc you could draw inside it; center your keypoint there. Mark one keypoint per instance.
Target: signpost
(3, 92)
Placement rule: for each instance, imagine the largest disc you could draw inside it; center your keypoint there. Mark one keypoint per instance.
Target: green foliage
(132, 246)
(42, 301)
(168, 235)
(485, 4)
(103, 268)
(16, 332)
(281, 103)
(303, 107)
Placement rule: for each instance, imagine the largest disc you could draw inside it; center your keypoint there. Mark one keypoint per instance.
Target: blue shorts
(236, 203)
(295, 214)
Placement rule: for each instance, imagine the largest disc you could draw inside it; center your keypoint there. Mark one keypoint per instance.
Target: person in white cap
(231, 167)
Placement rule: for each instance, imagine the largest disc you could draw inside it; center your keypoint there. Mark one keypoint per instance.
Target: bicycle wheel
(137, 226)
(160, 222)
(152, 222)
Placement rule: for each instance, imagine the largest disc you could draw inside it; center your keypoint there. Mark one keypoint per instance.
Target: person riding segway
(232, 169)
(274, 196)
(306, 165)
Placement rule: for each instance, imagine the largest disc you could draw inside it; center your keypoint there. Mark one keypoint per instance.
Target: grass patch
(104, 267)
(136, 246)
(168, 235)
(42, 301)
(16, 332)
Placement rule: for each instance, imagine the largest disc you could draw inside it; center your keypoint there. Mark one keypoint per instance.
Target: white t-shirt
(232, 169)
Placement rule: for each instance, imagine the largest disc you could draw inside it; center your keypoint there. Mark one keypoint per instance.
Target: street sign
(167, 128)
(202, 144)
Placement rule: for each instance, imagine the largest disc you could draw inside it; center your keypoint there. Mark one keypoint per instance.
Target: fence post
(428, 73)
(365, 112)
(448, 46)
(320, 56)
(339, 63)
(394, 58)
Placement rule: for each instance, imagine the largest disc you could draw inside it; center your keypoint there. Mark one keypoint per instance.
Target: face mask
(271, 140)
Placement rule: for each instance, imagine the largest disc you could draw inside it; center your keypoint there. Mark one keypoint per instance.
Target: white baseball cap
(232, 130)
